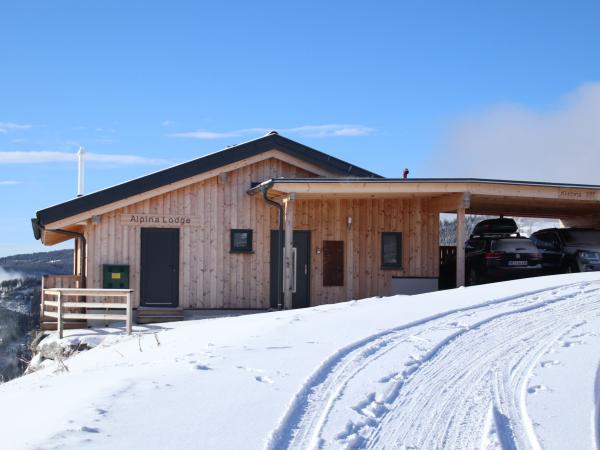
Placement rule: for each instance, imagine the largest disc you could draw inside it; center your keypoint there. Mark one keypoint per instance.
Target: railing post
(42, 305)
(59, 324)
(129, 313)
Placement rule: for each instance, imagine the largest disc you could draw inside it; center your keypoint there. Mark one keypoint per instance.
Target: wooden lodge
(272, 223)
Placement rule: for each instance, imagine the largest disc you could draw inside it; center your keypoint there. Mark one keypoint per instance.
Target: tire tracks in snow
(441, 405)
(310, 410)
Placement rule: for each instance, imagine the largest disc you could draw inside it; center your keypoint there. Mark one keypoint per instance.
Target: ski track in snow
(466, 388)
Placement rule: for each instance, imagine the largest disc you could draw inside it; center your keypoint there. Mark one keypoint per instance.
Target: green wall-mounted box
(115, 276)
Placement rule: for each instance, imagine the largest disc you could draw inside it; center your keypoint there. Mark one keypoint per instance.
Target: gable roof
(271, 141)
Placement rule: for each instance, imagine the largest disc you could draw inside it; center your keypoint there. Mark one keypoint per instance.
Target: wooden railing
(57, 281)
(62, 307)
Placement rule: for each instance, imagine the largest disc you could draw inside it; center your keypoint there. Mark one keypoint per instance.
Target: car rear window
(514, 245)
(582, 237)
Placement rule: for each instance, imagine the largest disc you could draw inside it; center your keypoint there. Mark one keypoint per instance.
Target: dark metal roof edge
(197, 166)
(433, 180)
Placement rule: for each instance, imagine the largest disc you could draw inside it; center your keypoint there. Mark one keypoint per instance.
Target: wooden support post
(460, 247)
(288, 265)
(129, 312)
(59, 319)
(42, 303)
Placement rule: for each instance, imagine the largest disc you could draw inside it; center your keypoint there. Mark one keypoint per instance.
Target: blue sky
(434, 86)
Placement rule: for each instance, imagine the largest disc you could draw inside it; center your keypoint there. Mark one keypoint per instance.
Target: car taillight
(494, 255)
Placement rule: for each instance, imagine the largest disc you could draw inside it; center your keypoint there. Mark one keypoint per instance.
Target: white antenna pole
(80, 171)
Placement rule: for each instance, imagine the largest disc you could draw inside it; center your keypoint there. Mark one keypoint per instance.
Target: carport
(573, 204)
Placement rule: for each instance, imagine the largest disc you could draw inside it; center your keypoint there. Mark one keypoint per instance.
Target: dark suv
(569, 249)
(495, 252)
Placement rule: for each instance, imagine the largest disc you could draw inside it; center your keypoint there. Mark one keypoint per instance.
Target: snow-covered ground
(509, 365)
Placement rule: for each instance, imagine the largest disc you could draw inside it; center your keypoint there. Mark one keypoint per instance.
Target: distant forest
(19, 304)
(526, 226)
(57, 262)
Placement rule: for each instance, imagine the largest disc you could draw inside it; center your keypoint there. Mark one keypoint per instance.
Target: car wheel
(472, 278)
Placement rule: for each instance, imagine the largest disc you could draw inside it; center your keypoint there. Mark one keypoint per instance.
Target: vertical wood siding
(209, 275)
(364, 277)
(212, 277)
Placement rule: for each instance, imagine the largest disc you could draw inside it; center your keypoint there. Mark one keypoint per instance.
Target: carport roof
(479, 196)
(424, 180)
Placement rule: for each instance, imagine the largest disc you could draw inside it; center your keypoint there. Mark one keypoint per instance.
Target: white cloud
(8, 182)
(519, 143)
(43, 157)
(5, 127)
(329, 130)
(167, 123)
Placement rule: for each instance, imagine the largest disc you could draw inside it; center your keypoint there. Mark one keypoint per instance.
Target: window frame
(248, 248)
(393, 266)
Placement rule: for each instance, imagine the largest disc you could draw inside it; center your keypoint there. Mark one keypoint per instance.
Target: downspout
(82, 247)
(279, 268)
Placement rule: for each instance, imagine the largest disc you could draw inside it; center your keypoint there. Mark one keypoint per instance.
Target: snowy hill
(57, 262)
(508, 365)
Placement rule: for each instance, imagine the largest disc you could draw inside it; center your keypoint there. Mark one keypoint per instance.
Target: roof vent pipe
(80, 171)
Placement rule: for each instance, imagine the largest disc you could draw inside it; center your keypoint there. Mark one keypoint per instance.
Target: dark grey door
(301, 242)
(159, 277)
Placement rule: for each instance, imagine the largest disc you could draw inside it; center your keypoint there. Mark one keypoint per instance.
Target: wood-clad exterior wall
(212, 277)
(364, 276)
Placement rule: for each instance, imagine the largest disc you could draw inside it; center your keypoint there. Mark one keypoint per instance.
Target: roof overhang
(272, 145)
(478, 196)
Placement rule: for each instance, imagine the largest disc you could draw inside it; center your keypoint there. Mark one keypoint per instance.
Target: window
(391, 250)
(333, 263)
(241, 241)
(475, 245)
(546, 241)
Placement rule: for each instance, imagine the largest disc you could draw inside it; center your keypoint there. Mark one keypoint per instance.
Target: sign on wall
(158, 220)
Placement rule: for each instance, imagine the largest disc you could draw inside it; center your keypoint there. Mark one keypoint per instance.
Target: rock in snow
(507, 365)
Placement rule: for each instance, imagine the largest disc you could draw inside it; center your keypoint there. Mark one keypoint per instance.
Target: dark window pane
(241, 240)
(391, 249)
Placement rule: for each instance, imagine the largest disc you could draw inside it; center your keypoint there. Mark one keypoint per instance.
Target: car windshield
(582, 237)
(514, 245)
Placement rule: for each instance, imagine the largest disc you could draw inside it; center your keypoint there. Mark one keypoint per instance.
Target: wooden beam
(78, 316)
(288, 263)
(460, 247)
(514, 189)
(86, 305)
(129, 314)
(59, 316)
(446, 203)
(50, 237)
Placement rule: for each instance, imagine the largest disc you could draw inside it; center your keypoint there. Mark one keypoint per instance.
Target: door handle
(294, 265)
(305, 269)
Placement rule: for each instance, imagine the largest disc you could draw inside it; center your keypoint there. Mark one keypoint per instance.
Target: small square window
(241, 241)
(391, 250)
